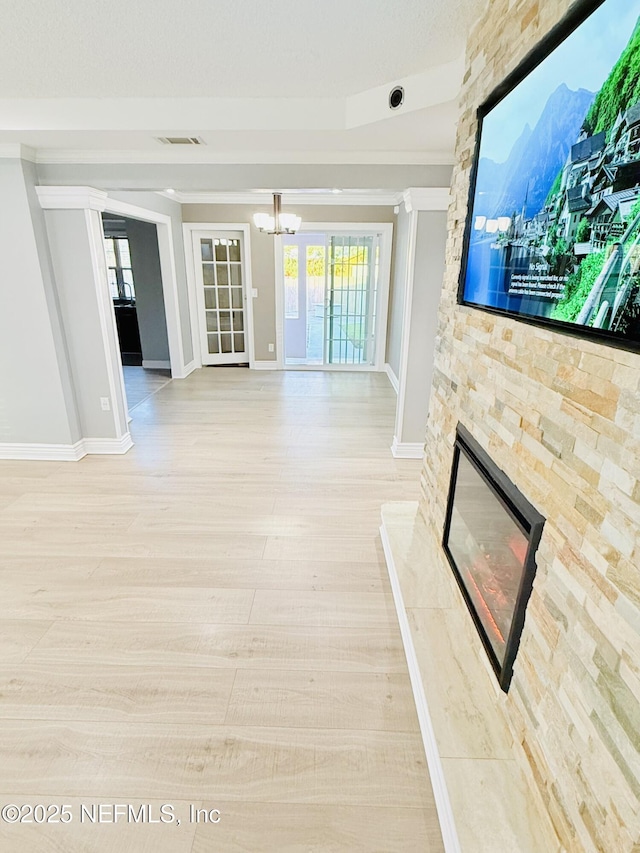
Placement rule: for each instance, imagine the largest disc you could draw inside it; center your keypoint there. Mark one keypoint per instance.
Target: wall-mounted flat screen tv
(553, 235)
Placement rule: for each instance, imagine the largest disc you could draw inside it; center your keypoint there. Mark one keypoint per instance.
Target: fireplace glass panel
(489, 550)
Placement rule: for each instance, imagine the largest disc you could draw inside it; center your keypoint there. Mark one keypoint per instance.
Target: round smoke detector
(396, 97)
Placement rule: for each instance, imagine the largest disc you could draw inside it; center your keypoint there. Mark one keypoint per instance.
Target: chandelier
(277, 222)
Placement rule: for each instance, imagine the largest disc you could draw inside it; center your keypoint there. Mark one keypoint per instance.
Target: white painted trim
(188, 230)
(17, 151)
(407, 450)
(265, 365)
(71, 198)
(393, 379)
(259, 198)
(156, 365)
(66, 452)
(125, 208)
(436, 772)
(344, 368)
(406, 322)
(356, 227)
(248, 292)
(189, 368)
(108, 329)
(426, 198)
(194, 320)
(43, 452)
(166, 154)
(384, 285)
(108, 445)
(164, 228)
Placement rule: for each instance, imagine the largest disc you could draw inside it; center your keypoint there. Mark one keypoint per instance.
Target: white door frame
(94, 202)
(188, 229)
(179, 370)
(385, 229)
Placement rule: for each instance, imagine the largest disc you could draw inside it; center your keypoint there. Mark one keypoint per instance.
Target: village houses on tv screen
(555, 228)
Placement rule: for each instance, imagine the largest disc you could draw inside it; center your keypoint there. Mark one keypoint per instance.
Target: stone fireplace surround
(484, 800)
(560, 415)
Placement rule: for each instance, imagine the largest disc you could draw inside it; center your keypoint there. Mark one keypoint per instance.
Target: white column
(425, 264)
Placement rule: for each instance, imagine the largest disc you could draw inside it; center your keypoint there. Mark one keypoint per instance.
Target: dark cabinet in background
(128, 333)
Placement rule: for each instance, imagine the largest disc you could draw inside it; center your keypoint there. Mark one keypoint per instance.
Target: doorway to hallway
(135, 282)
(141, 383)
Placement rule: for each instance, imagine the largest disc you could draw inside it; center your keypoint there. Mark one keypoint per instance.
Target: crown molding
(257, 198)
(17, 151)
(208, 157)
(414, 198)
(71, 198)
(426, 198)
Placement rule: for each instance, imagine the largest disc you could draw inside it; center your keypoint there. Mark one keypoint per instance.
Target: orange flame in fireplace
(519, 548)
(485, 608)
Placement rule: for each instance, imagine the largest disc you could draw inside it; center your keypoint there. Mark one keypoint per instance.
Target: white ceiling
(270, 75)
(222, 48)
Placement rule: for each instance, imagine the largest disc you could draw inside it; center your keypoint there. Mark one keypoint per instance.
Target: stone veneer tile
(561, 416)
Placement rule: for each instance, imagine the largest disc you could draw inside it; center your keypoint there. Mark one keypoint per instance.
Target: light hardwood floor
(140, 383)
(207, 620)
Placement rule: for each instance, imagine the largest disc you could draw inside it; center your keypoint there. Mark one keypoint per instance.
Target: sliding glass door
(330, 296)
(351, 296)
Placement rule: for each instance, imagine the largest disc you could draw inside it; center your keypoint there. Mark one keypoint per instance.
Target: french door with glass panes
(220, 283)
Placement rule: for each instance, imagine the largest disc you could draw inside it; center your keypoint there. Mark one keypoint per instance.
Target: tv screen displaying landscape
(554, 232)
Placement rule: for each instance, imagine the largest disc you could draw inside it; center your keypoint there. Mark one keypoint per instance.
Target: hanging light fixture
(277, 223)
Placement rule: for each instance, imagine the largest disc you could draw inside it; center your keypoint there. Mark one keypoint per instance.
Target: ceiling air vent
(180, 140)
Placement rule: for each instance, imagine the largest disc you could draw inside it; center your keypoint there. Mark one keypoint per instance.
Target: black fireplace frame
(530, 523)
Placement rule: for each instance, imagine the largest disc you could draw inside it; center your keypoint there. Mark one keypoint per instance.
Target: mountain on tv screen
(554, 233)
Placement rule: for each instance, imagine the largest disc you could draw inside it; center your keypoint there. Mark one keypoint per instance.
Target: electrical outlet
(105, 405)
(271, 348)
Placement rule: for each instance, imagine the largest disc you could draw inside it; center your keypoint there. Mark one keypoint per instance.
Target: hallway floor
(141, 382)
(206, 623)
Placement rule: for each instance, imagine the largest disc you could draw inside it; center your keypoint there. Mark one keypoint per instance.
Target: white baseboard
(108, 445)
(43, 452)
(436, 772)
(393, 379)
(265, 365)
(156, 365)
(407, 450)
(65, 452)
